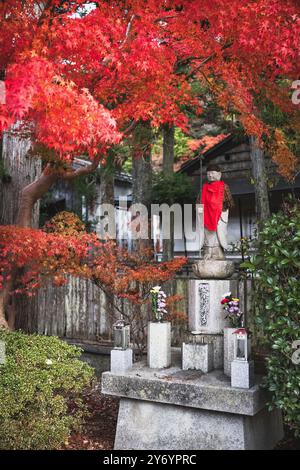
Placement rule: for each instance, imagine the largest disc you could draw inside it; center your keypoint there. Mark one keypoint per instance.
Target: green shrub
(41, 384)
(276, 269)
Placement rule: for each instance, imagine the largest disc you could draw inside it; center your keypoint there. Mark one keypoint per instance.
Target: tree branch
(165, 18)
(204, 61)
(86, 170)
(34, 191)
(131, 127)
(128, 29)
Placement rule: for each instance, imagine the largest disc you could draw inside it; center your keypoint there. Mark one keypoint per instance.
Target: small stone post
(159, 345)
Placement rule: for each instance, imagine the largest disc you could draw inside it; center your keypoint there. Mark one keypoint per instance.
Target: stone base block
(197, 357)
(242, 374)
(120, 360)
(148, 425)
(188, 410)
(159, 345)
(218, 345)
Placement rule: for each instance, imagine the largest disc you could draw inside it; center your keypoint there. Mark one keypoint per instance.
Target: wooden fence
(81, 310)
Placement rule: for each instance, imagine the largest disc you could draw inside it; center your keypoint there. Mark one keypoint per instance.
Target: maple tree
(79, 75)
(139, 58)
(63, 248)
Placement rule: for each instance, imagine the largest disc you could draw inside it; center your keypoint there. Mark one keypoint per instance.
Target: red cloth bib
(212, 199)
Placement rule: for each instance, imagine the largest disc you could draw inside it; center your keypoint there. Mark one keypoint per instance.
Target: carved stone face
(214, 176)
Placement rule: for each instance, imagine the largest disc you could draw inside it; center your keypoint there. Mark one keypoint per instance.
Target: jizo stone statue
(217, 200)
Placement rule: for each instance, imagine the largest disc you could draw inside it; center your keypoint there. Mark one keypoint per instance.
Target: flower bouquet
(231, 306)
(158, 302)
(159, 332)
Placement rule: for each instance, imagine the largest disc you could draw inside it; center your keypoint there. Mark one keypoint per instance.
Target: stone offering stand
(192, 404)
(165, 409)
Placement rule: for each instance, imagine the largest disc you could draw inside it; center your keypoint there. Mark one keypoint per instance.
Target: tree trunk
(29, 196)
(168, 169)
(259, 174)
(107, 187)
(22, 203)
(142, 174)
(142, 170)
(141, 194)
(168, 149)
(107, 196)
(19, 170)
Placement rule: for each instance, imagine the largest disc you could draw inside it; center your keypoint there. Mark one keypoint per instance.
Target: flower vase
(159, 344)
(228, 349)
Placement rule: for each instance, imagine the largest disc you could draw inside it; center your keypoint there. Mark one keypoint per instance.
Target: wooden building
(233, 157)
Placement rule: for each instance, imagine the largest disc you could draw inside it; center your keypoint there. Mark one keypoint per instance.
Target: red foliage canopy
(44, 256)
(76, 72)
(131, 56)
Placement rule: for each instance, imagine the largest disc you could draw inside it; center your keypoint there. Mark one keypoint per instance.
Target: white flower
(228, 294)
(156, 288)
(49, 362)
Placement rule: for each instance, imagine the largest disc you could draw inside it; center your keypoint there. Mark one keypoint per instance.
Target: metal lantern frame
(241, 336)
(121, 333)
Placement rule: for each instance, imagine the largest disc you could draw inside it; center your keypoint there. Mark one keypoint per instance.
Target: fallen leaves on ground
(98, 432)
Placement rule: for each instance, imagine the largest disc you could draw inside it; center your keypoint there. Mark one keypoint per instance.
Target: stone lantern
(121, 354)
(121, 333)
(242, 370)
(241, 345)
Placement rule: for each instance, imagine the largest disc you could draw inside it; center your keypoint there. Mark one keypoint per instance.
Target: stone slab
(191, 389)
(148, 426)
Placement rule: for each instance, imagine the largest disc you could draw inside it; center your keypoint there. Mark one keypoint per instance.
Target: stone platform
(165, 409)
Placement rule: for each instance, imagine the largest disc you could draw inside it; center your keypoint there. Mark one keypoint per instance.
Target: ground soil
(98, 432)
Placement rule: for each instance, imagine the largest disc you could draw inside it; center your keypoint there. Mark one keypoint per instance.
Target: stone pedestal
(213, 269)
(242, 374)
(228, 349)
(120, 360)
(206, 314)
(146, 425)
(197, 356)
(159, 345)
(188, 410)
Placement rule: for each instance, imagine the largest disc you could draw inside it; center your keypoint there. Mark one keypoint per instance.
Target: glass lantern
(121, 332)
(241, 345)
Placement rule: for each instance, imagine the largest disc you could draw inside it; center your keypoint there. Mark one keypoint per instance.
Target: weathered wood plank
(80, 310)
